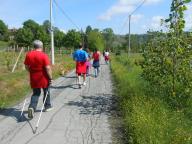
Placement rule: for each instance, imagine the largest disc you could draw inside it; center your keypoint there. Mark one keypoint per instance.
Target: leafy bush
(167, 59)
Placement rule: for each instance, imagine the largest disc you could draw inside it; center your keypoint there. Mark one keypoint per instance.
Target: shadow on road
(73, 86)
(14, 113)
(93, 105)
(72, 77)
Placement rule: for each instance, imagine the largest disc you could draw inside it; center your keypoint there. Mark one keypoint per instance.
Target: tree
(72, 39)
(3, 30)
(24, 37)
(31, 24)
(38, 31)
(95, 30)
(58, 38)
(135, 42)
(88, 29)
(95, 40)
(47, 26)
(108, 36)
(41, 35)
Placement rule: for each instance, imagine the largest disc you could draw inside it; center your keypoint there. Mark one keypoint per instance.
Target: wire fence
(14, 57)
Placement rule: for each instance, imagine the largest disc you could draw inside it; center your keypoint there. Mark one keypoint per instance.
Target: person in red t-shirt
(96, 59)
(80, 56)
(38, 65)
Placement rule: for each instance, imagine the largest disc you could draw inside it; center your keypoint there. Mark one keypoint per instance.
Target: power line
(64, 13)
(138, 7)
(125, 23)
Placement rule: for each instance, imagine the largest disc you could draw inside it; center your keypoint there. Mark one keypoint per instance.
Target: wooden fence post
(17, 60)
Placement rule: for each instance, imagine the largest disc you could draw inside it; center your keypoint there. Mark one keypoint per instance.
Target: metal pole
(52, 35)
(129, 47)
(37, 124)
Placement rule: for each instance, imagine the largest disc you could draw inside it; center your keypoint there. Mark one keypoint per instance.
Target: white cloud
(136, 18)
(156, 22)
(136, 2)
(148, 2)
(153, 24)
(129, 2)
(116, 10)
(123, 7)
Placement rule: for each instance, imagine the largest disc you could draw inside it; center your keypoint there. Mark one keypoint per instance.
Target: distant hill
(137, 40)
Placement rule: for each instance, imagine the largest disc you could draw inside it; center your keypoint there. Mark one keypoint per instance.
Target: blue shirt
(80, 56)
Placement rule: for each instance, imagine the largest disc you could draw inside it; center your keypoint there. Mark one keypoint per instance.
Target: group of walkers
(38, 65)
(83, 63)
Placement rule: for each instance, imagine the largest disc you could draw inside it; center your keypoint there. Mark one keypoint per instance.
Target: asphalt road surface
(80, 116)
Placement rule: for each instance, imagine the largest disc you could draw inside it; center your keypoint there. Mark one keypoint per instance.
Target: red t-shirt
(36, 61)
(96, 56)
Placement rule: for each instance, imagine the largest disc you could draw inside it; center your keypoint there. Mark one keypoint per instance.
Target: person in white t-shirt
(106, 55)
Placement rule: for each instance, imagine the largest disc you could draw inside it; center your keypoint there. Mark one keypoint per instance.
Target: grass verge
(3, 44)
(148, 119)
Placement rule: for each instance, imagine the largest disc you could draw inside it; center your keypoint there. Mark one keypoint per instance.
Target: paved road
(80, 116)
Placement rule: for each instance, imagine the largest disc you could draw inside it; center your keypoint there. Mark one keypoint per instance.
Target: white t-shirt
(106, 53)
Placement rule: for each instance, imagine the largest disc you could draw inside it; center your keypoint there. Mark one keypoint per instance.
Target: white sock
(79, 79)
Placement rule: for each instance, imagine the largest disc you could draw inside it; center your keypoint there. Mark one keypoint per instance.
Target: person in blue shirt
(80, 56)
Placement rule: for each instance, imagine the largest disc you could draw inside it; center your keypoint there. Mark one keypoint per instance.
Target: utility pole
(129, 45)
(52, 34)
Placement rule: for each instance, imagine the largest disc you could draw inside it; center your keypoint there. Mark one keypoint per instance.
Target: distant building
(12, 33)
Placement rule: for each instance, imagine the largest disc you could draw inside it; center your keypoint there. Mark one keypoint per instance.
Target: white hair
(38, 44)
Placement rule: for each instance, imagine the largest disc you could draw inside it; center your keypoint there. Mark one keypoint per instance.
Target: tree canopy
(95, 40)
(3, 30)
(72, 39)
(109, 36)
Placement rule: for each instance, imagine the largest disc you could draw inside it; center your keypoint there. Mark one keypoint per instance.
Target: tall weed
(148, 119)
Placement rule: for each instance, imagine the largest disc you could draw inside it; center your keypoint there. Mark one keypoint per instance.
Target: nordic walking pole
(37, 125)
(23, 107)
(22, 111)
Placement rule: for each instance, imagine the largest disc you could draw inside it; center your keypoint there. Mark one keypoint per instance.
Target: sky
(97, 13)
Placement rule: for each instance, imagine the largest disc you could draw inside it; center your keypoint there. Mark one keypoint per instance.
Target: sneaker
(84, 83)
(79, 85)
(47, 109)
(30, 113)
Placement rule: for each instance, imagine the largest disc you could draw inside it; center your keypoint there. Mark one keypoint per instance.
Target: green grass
(148, 119)
(3, 44)
(15, 86)
(63, 64)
